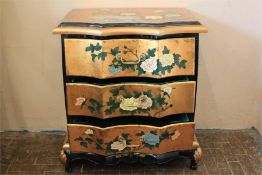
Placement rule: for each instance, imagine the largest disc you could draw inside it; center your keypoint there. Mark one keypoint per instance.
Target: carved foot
(198, 150)
(65, 147)
(197, 154)
(193, 164)
(65, 156)
(68, 166)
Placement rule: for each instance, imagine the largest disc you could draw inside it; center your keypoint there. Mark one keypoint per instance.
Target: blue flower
(151, 139)
(113, 69)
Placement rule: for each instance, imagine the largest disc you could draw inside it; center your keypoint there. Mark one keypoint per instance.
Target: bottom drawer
(131, 138)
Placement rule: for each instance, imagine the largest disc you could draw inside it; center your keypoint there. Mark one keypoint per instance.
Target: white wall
(230, 70)
(1, 68)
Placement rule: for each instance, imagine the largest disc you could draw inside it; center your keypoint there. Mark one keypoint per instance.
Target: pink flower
(145, 102)
(149, 65)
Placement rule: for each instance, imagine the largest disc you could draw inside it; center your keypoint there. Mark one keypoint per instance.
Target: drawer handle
(139, 58)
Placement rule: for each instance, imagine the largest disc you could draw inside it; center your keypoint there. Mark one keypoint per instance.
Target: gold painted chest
(130, 78)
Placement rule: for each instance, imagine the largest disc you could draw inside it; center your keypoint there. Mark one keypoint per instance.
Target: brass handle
(131, 62)
(132, 146)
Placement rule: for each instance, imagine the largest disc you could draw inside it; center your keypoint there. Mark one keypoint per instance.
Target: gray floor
(225, 152)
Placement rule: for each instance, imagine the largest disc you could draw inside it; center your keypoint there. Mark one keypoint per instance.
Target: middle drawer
(139, 99)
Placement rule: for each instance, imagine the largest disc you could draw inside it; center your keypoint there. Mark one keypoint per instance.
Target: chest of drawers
(130, 78)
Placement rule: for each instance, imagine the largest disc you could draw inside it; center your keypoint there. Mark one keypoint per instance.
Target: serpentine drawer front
(130, 80)
(150, 100)
(131, 138)
(130, 57)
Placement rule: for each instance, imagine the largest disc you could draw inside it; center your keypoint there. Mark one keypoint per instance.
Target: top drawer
(130, 57)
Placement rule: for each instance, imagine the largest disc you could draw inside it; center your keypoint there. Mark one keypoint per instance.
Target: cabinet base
(67, 157)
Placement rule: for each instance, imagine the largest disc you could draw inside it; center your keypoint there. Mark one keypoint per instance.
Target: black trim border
(153, 37)
(106, 25)
(132, 119)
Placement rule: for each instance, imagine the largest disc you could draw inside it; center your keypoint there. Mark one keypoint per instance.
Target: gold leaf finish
(130, 16)
(171, 98)
(110, 139)
(80, 62)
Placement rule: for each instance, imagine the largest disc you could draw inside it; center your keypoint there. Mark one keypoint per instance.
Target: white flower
(129, 104)
(80, 101)
(149, 65)
(176, 135)
(166, 60)
(118, 145)
(168, 90)
(145, 102)
(89, 132)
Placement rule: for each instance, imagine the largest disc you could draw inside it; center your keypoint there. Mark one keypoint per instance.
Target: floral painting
(124, 142)
(147, 62)
(138, 102)
(129, 102)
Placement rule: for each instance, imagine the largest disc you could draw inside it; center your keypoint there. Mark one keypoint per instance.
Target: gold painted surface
(150, 16)
(179, 98)
(79, 61)
(181, 138)
(129, 15)
(110, 31)
(186, 48)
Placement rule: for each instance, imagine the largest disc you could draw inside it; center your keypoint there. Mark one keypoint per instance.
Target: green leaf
(98, 146)
(98, 47)
(140, 71)
(128, 95)
(154, 106)
(151, 52)
(89, 140)
(148, 146)
(140, 133)
(128, 66)
(128, 141)
(99, 105)
(165, 135)
(92, 101)
(91, 108)
(148, 93)
(122, 88)
(182, 64)
(114, 92)
(84, 144)
(102, 55)
(100, 141)
(88, 49)
(166, 50)
(79, 139)
(115, 51)
(154, 132)
(160, 100)
(159, 66)
(137, 94)
(125, 135)
(91, 48)
(93, 57)
(110, 101)
(108, 111)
